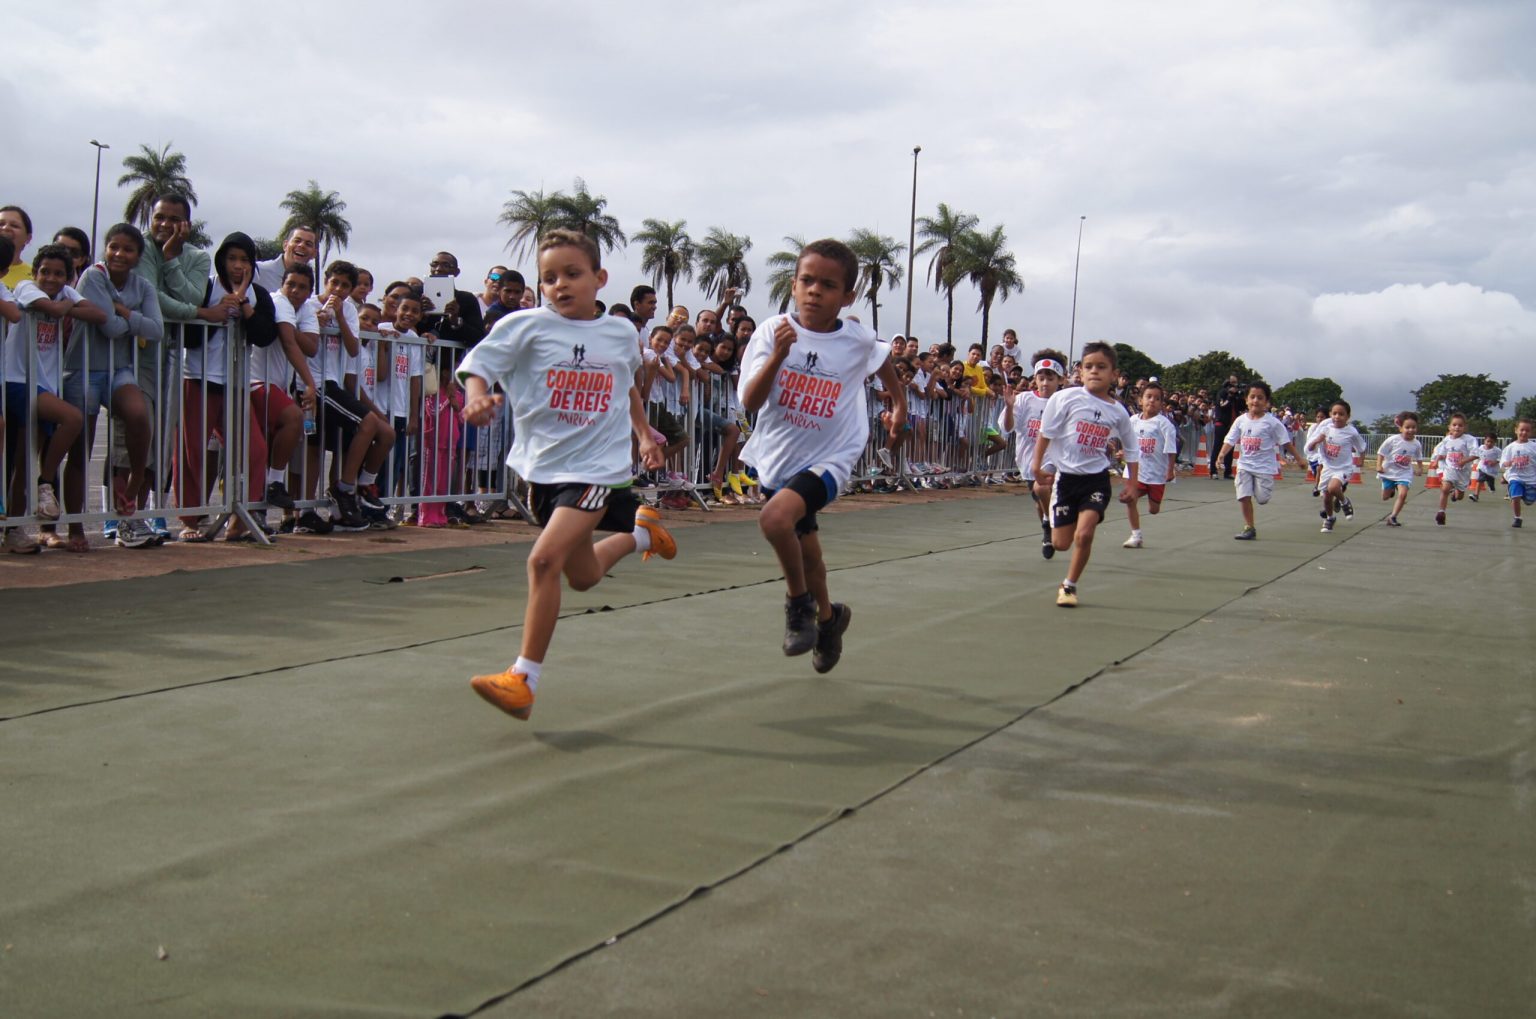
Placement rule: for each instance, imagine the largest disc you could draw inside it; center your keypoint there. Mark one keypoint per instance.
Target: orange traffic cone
(1202, 458)
(1354, 479)
(1433, 480)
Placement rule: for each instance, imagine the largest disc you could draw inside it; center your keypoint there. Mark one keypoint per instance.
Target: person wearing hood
(231, 295)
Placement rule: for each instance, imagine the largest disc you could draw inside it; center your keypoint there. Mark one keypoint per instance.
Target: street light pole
(1072, 334)
(912, 238)
(96, 201)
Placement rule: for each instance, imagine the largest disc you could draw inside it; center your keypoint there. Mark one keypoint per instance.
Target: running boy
(1334, 445)
(1259, 436)
(1074, 432)
(1314, 460)
(1519, 463)
(1022, 410)
(569, 376)
(1397, 461)
(803, 374)
(1158, 445)
(1488, 464)
(1455, 454)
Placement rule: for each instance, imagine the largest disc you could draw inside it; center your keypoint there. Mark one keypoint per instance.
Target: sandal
(53, 539)
(193, 534)
(77, 543)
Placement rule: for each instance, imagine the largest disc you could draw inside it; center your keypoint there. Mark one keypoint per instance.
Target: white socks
(642, 539)
(366, 477)
(276, 476)
(529, 669)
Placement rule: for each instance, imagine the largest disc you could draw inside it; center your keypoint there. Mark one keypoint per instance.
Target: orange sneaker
(508, 690)
(662, 543)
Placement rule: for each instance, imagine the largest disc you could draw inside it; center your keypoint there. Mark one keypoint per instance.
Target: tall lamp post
(96, 201)
(912, 238)
(1072, 333)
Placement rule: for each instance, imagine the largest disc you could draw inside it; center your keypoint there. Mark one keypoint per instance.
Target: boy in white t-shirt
(1315, 464)
(1075, 433)
(1157, 443)
(34, 350)
(569, 377)
(1334, 445)
(1456, 453)
(1397, 461)
(1260, 437)
(1488, 464)
(1519, 463)
(1022, 410)
(803, 375)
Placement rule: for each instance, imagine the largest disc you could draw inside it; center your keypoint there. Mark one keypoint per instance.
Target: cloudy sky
(1343, 189)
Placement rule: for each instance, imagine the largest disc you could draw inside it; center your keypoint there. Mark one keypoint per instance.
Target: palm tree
(530, 214)
(878, 265)
(155, 174)
(722, 263)
(942, 232)
(583, 212)
(668, 252)
(781, 272)
(984, 260)
(321, 211)
(197, 235)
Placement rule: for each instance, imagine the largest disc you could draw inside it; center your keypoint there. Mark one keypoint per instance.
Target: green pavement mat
(362, 836)
(97, 641)
(1317, 801)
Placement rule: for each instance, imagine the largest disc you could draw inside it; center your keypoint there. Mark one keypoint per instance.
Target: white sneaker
(884, 456)
(17, 540)
(47, 503)
(1134, 541)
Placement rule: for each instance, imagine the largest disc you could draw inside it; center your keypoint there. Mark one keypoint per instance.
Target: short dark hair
(745, 318)
(837, 251)
(1347, 409)
(1262, 387)
(1048, 352)
(1407, 415)
(571, 239)
(302, 226)
(1154, 384)
(344, 269)
(399, 283)
(640, 293)
(684, 328)
(129, 231)
(1100, 347)
(46, 252)
(176, 198)
(77, 235)
(976, 346)
(302, 269)
(1456, 414)
(410, 295)
(513, 276)
(660, 329)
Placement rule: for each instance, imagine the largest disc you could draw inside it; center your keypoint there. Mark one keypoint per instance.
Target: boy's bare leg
(777, 520)
(1082, 547)
(568, 535)
(586, 569)
(1246, 502)
(359, 449)
(816, 574)
(1135, 517)
(1401, 500)
(129, 404)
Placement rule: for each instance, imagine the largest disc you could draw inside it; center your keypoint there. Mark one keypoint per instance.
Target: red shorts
(267, 406)
(1154, 493)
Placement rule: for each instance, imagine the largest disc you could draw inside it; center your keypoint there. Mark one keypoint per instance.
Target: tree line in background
(959, 252)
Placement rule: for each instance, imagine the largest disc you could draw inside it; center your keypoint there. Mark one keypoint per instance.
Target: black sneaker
(799, 624)
(1349, 509)
(1047, 549)
(278, 497)
(1246, 534)
(829, 638)
(310, 522)
(368, 499)
(1517, 523)
(347, 516)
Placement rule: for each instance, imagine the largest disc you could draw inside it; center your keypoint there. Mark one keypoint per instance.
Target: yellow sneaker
(1066, 597)
(735, 482)
(662, 543)
(508, 690)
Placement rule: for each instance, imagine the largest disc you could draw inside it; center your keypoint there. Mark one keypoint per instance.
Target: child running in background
(569, 378)
(1397, 461)
(1334, 446)
(1022, 411)
(1259, 437)
(1158, 445)
(1519, 463)
(803, 375)
(1456, 453)
(1488, 464)
(1315, 462)
(1074, 433)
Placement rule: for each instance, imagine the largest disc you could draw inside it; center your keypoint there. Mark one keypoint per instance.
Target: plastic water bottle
(309, 420)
